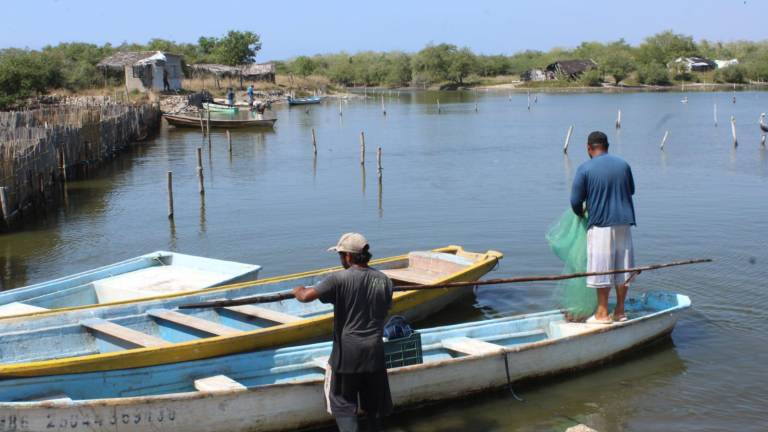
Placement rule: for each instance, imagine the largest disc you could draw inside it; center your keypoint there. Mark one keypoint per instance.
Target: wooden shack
(570, 69)
(147, 70)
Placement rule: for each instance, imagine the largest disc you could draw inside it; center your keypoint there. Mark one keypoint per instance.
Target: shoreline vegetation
(70, 68)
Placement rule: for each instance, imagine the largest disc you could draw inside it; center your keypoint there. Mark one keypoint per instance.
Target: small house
(725, 63)
(694, 64)
(571, 69)
(259, 72)
(147, 70)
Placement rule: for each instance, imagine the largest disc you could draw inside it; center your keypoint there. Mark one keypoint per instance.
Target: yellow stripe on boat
(281, 334)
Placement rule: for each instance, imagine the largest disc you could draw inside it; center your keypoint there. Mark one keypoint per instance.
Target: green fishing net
(568, 240)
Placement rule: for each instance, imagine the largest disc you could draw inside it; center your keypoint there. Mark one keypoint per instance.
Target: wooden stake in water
(362, 148)
(314, 142)
(664, 140)
(475, 107)
(529, 100)
(4, 205)
(618, 119)
(378, 163)
(229, 141)
(438, 106)
(715, 114)
(200, 170)
(340, 113)
(208, 127)
(202, 126)
(733, 131)
(170, 194)
(383, 110)
(567, 139)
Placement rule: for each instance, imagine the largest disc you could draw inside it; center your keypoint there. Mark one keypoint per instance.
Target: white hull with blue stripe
(282, 389)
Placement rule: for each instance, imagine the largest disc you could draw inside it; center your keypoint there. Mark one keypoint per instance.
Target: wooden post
(438, 106)
(208, 127)
(762, 140)
(340, 113)
(383, 110)
(378, 163)
(664, 140)
(529, 100)
(314, 142)
(618, 119)
(170, 194)
(362, 148)
(202, 126)
(475, 107)
(200, 170)
(63, 165)
(733, 131)
(715, 114)
(229, 141)
(4, 206)
(567, 139)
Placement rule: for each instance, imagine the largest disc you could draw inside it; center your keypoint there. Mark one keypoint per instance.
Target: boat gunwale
(193, 395)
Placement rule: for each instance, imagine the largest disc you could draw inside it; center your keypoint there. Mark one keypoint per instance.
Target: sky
(306, 27)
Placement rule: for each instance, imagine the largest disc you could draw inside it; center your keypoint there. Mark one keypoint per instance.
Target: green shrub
(591, 78)
(653, 74)
(730, 74)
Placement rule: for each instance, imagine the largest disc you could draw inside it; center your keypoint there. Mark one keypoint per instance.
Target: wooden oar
(285, 295)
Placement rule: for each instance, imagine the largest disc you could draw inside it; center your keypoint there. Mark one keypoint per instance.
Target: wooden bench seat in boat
(263, 313)
(471, 346)
(18, 308)
(217, 383)
(192, 322)
(123, 333)
(425, 268)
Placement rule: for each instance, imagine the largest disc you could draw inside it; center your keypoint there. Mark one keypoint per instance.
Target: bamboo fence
(42, 148)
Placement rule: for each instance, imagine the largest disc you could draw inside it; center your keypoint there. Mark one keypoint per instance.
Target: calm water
(495, 179)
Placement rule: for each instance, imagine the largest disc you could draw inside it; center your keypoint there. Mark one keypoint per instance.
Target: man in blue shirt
(605, 183)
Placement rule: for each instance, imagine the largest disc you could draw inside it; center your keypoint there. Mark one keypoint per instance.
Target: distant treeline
(72, 66)
(617, 61)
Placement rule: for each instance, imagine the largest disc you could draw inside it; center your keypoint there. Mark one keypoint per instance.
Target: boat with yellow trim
(153, 332)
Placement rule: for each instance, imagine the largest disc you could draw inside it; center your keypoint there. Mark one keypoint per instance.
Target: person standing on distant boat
(605, 183)
(166, 84)
(230, 96)
(361, 298)
(249, 92)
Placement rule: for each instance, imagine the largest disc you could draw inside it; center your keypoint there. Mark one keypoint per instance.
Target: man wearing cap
(361, 298)
(605, 182)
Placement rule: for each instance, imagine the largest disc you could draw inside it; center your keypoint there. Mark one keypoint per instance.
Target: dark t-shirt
(361, 299)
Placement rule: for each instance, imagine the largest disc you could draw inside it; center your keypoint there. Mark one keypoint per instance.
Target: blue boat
(311, 100)
(282, 389)
(152, 275)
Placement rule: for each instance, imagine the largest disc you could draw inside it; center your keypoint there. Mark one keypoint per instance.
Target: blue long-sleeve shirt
(605, 182)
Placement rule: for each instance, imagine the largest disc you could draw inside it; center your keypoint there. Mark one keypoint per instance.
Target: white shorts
(609, 248)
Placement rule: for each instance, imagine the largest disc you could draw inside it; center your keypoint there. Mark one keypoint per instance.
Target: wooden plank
(218, 383)
(264, 313)
(123, 333)
(193, 322)
(420, 277)
(471, 346)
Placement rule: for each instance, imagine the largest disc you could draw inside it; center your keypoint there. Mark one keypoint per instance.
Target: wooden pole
(200, 170)
(438, 106)
(340, 113)
(567, 139)
(63, 165)
(4, 206)
(378, 162)
(170, 194)
(285, 295)
(362, 148)
(618, 120)
(229, 141)
(762, 140)
(475, 107)
(208, 127)
(314, 142)
(733, 131)
(383, 109)
(202, 125)
(715, 114)
(664, 140)
(529, 100)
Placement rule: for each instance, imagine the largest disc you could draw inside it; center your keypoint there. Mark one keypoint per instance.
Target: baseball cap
(350, 243)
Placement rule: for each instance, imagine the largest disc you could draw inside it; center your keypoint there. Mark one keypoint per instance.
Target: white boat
(282, 389)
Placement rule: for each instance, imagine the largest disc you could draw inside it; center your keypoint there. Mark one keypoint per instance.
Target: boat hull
(220, 108)
(189, 121)
(297, 405)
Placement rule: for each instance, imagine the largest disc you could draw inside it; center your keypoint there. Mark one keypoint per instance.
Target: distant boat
(305, 100)
(147, 276)
(181, 120)
(282, 389)
(156, 332)
(763, 125)
(220, 108)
